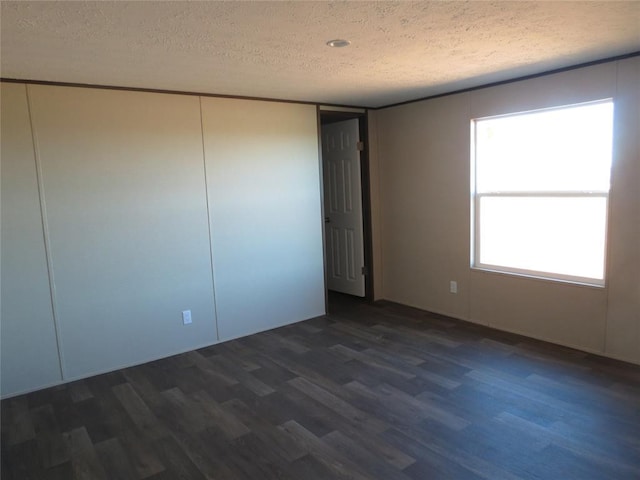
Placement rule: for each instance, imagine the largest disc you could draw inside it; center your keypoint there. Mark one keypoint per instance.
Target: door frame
(328, 114)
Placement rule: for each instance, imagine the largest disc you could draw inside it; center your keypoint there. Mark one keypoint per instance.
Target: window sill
(533, 276)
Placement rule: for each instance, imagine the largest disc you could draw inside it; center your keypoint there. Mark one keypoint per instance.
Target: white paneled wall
(127, 222)
(126, 208)
(263, 179)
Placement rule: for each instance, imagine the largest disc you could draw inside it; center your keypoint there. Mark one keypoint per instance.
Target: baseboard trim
(590, 351)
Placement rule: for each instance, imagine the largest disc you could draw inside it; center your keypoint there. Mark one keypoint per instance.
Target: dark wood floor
(368, 392)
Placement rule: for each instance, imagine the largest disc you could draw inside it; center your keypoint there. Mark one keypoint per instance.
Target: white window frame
(475, 213)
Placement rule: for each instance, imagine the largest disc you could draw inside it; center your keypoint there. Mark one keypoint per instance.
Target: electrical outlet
(186, 317)
(453, 286)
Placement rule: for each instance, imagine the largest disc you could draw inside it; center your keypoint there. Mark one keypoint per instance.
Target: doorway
(347, 213)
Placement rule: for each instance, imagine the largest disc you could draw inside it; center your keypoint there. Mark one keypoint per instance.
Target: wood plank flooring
(368, 392)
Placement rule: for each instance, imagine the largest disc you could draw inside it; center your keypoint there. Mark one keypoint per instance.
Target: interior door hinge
(365, 271)
(360, 146)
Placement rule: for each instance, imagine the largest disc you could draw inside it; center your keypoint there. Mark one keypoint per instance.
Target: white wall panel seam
(45, 230)
(209, 223)
(470, 223)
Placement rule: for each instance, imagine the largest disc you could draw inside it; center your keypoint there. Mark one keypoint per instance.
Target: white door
(343, 207)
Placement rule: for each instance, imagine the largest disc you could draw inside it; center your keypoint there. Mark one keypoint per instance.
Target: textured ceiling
(399, 50)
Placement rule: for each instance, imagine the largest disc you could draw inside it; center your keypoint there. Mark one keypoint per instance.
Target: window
(540, 191)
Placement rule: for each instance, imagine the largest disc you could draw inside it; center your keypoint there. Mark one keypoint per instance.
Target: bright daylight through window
(540, 190)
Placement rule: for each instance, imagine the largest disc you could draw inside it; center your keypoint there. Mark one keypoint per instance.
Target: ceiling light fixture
(338, 43)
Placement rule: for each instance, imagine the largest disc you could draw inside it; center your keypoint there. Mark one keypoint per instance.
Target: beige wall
(623, 313)
(424, 209)
(139, 226)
